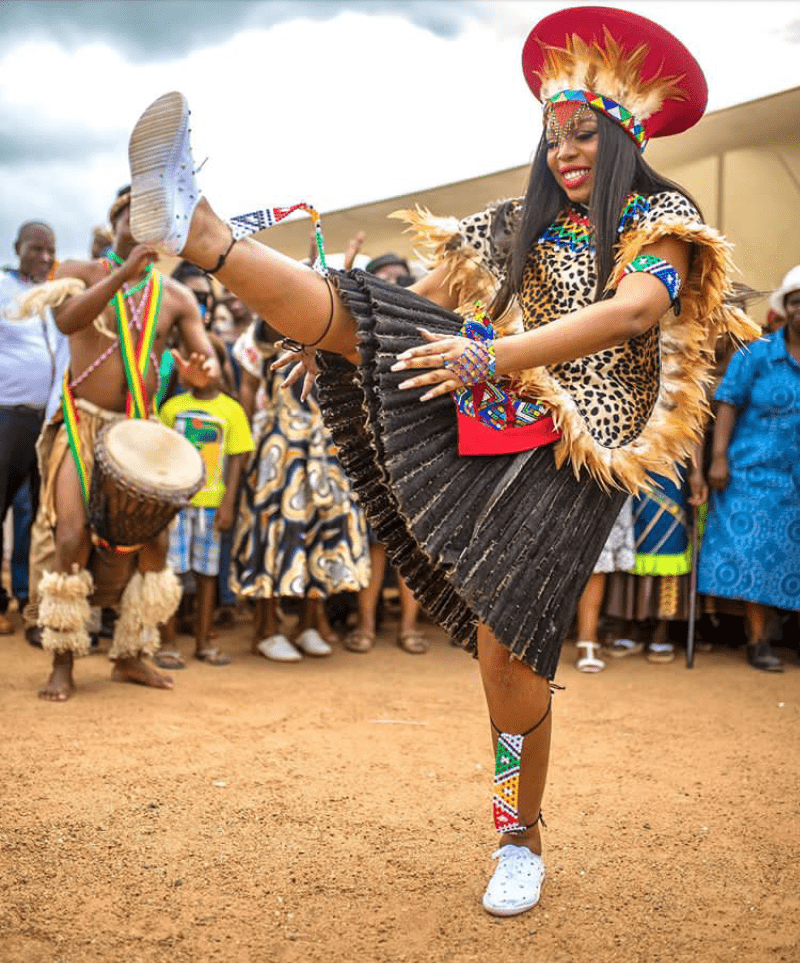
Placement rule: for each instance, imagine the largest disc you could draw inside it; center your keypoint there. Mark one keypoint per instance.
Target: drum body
(143, 474)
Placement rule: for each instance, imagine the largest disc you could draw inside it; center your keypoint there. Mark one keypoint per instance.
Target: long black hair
(620, 169)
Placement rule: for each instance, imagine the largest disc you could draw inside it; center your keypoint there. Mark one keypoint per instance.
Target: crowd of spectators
(277, 537)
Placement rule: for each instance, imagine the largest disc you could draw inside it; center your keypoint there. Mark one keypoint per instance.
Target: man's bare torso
(106, 386)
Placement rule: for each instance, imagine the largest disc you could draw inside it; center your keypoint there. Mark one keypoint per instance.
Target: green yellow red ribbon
(135, 360)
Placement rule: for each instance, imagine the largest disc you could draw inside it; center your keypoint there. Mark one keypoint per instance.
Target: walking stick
(692, 591)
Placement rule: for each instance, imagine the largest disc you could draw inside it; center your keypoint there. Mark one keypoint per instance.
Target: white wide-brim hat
(790, 283)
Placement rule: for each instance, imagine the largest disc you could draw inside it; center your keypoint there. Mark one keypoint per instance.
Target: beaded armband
(661, 269)
(475, 364)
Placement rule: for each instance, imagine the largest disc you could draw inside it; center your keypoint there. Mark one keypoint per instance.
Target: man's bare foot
(60, 685)
(133, 669)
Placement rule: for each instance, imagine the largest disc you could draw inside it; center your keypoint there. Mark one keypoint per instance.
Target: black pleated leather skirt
(507, 540)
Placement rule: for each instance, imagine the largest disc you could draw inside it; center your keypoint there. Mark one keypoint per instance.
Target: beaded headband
(563, 106)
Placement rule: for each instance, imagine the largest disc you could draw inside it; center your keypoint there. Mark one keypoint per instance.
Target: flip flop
(359, 640)
(414, 642)
(169, 659)
(620, 648)
(589, 660)
(212, 657)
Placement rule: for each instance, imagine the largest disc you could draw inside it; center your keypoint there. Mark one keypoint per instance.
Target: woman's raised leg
(167, 210)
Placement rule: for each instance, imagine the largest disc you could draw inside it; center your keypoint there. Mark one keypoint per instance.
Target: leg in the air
(168, 211)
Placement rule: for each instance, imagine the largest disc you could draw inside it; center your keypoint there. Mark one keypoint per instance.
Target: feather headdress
(617, 62)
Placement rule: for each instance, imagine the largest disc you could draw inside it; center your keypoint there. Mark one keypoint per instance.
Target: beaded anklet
(507, 764)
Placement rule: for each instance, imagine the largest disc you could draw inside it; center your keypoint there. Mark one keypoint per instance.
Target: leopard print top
(614, 390)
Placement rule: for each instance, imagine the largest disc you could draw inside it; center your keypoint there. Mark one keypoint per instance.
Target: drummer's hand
(137, 260)
(432, 356)
(196, 372)
(305, 366)
(223, 519)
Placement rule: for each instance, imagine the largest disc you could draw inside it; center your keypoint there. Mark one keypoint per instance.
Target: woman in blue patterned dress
(751, 548)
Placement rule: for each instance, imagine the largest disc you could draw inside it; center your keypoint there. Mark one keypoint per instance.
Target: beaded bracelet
(661, 269)
(475, 365)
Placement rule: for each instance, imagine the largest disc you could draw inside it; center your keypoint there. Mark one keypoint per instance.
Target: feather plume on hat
(607, 69)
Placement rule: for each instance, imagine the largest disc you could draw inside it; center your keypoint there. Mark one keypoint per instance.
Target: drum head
(153, 456)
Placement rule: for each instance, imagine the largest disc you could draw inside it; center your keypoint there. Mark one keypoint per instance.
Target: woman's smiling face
(572, 156)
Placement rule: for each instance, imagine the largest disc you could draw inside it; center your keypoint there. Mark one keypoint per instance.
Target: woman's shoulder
(643, 210)
(489, 232)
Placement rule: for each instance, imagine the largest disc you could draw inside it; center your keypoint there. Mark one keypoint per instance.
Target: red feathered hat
(625, 65)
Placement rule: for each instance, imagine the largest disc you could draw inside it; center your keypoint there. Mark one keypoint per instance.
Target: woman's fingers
(441, 389)
(293, 376)
(283, 360)
(308, 385)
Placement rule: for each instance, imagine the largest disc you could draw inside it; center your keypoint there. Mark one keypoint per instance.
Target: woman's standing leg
(760, 653)
(519, 711)
(589, 606)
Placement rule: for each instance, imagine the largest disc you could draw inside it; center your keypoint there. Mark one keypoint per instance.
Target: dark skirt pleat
(507, 540)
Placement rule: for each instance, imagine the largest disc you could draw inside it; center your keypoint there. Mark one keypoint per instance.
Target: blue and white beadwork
(659, 268)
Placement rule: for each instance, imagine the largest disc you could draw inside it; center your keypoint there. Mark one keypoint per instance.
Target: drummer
(92, 302)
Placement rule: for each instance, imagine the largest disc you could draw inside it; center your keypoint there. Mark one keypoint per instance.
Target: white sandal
(589, 660)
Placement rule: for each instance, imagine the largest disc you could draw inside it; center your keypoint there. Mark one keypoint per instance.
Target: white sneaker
(516, 883)
(164, 192)
(310, 642)
(279, 649)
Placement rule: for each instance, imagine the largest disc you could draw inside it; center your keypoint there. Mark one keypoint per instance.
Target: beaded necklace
(128, 291)
(135, 323)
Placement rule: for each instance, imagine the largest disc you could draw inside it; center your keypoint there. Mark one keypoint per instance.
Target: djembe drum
(144, 473)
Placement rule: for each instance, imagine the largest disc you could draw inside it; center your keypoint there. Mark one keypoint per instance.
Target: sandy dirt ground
(338, 810)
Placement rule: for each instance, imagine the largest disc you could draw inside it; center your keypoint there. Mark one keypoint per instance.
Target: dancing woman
(607, 289)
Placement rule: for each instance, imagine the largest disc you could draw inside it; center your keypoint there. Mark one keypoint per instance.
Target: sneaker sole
(153, 154)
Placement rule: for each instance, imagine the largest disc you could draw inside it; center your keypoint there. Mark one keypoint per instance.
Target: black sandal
(761, 656)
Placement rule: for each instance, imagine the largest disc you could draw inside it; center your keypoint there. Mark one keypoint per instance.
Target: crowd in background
(276, 536)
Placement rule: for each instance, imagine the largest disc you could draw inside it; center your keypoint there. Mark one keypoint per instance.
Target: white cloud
(338, 111)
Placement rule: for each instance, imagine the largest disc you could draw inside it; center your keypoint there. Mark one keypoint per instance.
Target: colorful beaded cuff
(475, 364)
(659, 268)
(626, 120)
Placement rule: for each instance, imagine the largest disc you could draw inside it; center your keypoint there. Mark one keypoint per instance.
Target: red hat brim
(666, 56)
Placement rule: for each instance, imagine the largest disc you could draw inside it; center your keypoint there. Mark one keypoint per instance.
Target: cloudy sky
(336, 102)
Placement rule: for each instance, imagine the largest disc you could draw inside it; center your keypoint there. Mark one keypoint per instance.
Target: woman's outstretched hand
(305, 367)
(434, 356)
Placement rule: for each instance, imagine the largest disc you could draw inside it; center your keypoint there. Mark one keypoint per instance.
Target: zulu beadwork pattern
(606, 106)
(489, 401)
(573, 229)
(505, 799)
(475, 364)
(659, 268)
(245, 224)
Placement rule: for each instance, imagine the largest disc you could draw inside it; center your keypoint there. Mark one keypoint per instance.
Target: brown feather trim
(605, 68)
(687, 341)
(437, 241)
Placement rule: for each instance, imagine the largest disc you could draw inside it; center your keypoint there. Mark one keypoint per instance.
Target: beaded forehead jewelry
(560, 121)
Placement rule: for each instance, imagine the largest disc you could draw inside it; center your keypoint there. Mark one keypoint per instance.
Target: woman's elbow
(638, 318)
